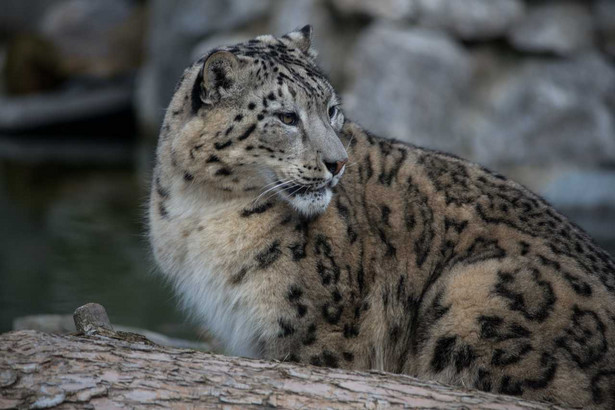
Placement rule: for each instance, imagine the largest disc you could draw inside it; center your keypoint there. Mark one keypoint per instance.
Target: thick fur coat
(293, 234)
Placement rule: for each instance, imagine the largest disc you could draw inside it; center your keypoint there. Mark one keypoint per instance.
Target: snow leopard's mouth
(300, 189)
(309, 200)
(294, 189)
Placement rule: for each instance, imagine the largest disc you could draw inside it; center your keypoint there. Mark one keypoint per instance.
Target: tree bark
(107, 369)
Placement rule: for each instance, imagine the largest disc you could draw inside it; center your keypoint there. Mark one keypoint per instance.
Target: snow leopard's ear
(219, 75)
(301, 39)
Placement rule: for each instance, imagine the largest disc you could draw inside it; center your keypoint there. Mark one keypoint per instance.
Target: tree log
(107, 369)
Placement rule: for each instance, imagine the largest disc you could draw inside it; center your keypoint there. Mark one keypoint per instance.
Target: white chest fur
(200, 248)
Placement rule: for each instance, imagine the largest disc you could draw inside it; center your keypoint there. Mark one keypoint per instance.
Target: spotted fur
(416, 262)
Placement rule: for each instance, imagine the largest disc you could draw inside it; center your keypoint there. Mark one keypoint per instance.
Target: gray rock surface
(38, 110)
(74, 26)
(194, 18)
(62, 324)
(408, 84)
(604, 17)
(557, 27)
(581, 188)
(470, 19)
(20, 15)
(553, 111)
(387, 9)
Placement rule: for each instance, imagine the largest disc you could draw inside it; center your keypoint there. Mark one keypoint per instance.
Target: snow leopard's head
(260, 116)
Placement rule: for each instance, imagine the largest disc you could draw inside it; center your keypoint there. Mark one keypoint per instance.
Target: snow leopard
(291, 233)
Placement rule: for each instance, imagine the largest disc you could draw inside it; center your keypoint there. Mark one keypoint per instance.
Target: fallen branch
(104, 368)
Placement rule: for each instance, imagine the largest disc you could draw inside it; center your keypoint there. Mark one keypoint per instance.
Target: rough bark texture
(108, 369)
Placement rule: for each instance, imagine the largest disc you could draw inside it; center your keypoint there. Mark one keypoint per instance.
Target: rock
(408, 84)
(91, 317)
(546, 112)
(470, 19)
(555, 27)
(175, 29)
(387, 9)
(32, 65)
(20, 16)
(62, 324)
(197, 18)
(23, 113)
(115, 27)
(74, 151)
(582, 189)
(604, 18)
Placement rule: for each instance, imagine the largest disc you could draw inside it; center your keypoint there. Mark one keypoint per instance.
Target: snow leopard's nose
(335, 167)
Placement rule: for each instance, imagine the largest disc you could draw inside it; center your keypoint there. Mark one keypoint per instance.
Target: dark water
(76, 234)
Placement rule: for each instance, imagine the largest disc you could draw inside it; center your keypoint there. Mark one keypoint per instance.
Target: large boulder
(555, 27)
(467, 19)
(387, 9)
(470, 19)
(18, 15)
(604, 17)
(408, 84)
(101, 38)
(546, 112)
(49, 42)
(21, 114)
(585, 189)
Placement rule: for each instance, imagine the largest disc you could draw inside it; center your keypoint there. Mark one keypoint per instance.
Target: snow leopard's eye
(333, 111)
(289, 118)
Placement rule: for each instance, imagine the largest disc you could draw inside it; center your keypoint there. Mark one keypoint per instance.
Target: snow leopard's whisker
(280, 184)
(349, 142)
(272, 194)
(277, 181)
(297, 190)
(274, 185)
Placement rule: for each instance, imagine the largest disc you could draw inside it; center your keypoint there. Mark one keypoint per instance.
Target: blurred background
(525, 87)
